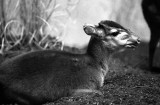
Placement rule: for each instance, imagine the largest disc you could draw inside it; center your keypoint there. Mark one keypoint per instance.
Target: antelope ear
(90, 29)
(106, 27)
(93, 30)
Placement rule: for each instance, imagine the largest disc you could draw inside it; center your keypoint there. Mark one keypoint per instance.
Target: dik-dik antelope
(44, 76)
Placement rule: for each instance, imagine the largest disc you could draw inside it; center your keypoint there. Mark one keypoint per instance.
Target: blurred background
(59, 23)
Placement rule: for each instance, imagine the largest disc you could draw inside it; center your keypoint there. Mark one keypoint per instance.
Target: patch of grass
(28, 26)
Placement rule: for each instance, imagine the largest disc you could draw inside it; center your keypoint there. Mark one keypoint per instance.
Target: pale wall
(65, 18)
(126, 12)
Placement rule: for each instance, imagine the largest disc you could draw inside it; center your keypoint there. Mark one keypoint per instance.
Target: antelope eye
(124, 37)
(115, 33)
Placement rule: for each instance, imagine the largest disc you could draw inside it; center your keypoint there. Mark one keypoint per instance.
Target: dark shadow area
(151, 12)
(139, 58)
(155, 70)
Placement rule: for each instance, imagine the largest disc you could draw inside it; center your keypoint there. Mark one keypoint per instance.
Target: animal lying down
(44, 76)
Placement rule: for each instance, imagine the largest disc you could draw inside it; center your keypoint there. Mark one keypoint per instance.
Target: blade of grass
(48, 26)
(7, 25)
(43, 5)
(45, 22)
(32, 37)
(2, 46)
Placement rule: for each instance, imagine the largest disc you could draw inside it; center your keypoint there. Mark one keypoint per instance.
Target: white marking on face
(113, 30)
(122, 34)
(120, 38)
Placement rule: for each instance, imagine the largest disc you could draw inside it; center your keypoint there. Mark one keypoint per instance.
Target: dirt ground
(128, 89)
(129, 82)
(123, 85)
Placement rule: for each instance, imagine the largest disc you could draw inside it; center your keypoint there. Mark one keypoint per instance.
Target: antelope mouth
(132, 44)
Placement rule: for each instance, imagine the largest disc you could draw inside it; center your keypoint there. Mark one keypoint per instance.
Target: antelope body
(45, 76)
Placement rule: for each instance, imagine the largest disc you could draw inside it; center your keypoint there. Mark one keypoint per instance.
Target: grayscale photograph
(79, 52)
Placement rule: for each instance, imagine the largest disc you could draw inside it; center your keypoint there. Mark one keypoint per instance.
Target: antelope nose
(138, 40)
(135, 39)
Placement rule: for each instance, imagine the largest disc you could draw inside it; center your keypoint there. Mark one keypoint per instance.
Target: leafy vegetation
(31, 25)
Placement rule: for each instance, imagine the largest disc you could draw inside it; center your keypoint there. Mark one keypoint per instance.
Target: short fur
(44, 76)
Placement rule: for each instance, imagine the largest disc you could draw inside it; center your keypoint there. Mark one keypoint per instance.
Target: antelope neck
(99, 52)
